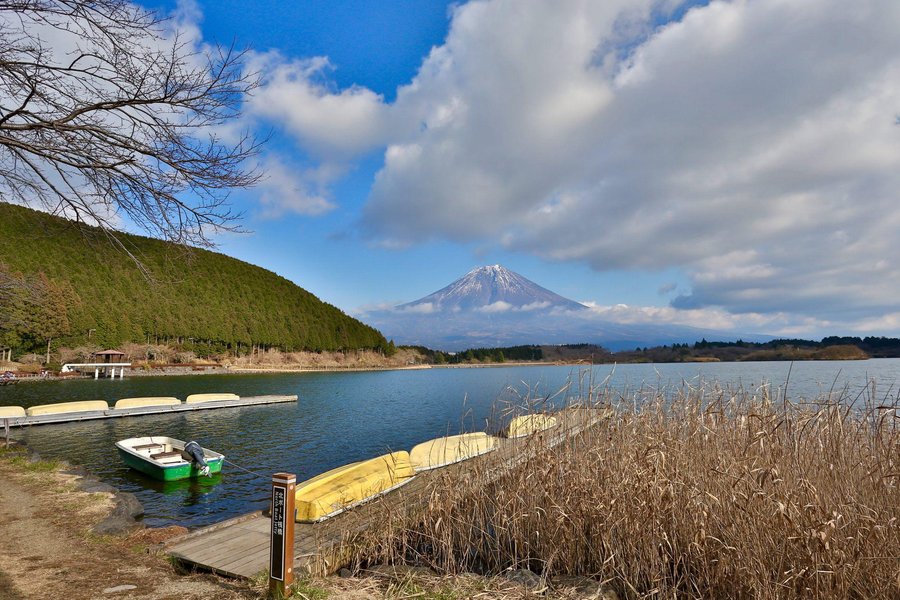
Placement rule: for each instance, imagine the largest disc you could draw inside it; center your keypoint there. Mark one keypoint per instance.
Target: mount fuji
(494, 286)
(492, 306)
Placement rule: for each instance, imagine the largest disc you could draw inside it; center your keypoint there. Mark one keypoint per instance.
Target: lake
(345, 417)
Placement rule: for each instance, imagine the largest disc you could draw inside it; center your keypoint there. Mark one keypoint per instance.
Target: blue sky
(379, 46)
(718, 165)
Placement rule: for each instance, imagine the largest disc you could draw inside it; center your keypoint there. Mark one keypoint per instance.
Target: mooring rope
(233, 464)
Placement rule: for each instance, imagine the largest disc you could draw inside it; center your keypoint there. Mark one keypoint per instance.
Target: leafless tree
(106, 114)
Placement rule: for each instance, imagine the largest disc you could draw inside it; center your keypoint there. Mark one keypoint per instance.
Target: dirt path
(47, 551)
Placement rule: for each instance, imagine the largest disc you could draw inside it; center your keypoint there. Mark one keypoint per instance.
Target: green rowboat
(163, 458)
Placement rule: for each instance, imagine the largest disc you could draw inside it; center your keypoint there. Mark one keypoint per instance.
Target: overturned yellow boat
(11, 412)
(337, 490)
(218, 397)
(146, 401)
(67, 407)
(528, 424)
(445, 451)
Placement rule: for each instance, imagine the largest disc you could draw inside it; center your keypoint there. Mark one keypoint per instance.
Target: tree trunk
(48, 351)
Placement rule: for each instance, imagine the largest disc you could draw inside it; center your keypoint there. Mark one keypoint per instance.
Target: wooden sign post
(281, 542)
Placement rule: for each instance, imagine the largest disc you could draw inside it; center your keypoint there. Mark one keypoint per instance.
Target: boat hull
(445, 451)
(342, 488)
(147, 401)
(201, 398)
(67, 407)
(176, 470)
(529, 424)
(11, 412)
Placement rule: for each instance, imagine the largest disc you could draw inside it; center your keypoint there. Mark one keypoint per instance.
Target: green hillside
(193, 294)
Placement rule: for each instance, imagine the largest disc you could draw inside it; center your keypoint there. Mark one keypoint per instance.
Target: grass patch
(304, 588)
(688, 492)
(24, 463)
(7, 452)
(101, 539)
(408, 589)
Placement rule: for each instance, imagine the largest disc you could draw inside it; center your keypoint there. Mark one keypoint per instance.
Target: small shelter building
(103, 363)
(109, 356)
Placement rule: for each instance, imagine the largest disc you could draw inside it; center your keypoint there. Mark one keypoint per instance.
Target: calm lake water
(344, 417)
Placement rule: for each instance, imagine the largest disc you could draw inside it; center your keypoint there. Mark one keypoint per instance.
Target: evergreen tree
(208, 296)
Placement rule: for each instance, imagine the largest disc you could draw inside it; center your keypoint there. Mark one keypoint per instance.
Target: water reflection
(191, 490)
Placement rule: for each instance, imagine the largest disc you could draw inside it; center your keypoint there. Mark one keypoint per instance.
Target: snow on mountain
(494, 287)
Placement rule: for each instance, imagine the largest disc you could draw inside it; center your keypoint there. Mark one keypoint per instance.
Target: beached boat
(67, 407)
(165, 458)
(445, 451)
(11, 412)
(146, 401)
(337, 490)
(528, 424)
(201, 398)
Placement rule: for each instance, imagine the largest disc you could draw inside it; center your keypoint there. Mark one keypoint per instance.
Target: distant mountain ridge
(487, 286)
(492, 306)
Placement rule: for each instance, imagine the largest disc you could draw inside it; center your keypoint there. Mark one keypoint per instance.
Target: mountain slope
(197, 293)
(486, 286)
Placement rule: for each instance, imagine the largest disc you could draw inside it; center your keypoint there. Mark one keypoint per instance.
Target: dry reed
(698, 491)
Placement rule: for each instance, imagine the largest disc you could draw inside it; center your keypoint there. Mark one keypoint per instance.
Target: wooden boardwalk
(240, 547)
(112, 413)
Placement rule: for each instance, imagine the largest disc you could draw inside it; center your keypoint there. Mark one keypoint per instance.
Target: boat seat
(147, 446)
(164, 455)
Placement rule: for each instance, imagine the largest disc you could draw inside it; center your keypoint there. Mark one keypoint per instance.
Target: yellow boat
(528, 424)
(147, 401)
(337, 490)
(200, 398)
(67, 407)
(445, 451)
(11, 412)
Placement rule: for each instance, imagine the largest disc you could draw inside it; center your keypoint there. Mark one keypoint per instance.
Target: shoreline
(258, 370)
(181, 371)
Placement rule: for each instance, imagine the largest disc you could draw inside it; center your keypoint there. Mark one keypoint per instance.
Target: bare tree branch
(103, 116)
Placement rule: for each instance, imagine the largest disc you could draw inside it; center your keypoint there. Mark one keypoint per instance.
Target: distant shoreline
(262, 370)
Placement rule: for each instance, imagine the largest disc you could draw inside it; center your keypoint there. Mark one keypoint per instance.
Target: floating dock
(112, 413)
(239, 547)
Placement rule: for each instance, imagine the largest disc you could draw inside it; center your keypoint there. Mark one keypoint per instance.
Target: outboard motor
(194, 450)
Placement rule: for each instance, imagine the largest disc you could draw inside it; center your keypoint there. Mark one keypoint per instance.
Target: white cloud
(704, 318)
(425, 308)
(295, 95)
(366, 309)
(286, 189)
(534, 306)
(754, 145)
(496, 307)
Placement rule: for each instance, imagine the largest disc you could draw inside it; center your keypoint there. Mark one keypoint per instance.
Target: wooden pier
(112, 413)
(239, 547)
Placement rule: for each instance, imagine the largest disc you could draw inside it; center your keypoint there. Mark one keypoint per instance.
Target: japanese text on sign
(276, 566)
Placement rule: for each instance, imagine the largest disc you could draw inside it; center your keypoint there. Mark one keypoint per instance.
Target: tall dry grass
(693, 492)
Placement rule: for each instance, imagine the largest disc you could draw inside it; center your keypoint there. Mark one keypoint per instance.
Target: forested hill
(194, 294)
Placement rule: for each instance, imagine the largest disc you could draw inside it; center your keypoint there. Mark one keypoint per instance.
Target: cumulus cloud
(534, 306)
(296, 95)
(754, 145)
(704, 318)
(425, 308)
(286, 189)
(495, 307)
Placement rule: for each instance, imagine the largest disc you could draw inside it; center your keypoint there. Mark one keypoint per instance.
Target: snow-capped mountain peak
(494, 286)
